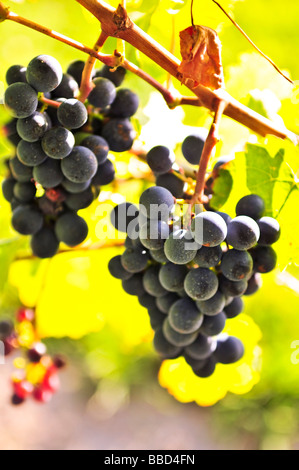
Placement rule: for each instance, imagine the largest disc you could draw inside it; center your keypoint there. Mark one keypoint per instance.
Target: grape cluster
(38, 375)
(191, 274)
(62, 147)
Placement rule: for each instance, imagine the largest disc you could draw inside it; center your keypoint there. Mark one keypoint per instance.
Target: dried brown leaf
(201, 58)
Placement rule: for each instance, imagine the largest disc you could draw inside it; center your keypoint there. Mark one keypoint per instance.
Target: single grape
(148, 301)
(71, 229)
(68, 88)
(172, 276)
(44, 73)
(165, 302)
(264, 259)
(31, 153)
(16, 74)
(80, 165)
(254, 284)
(180, 248)
(227, 218)
(156, 203)
(105, 174)
(72, 114)
(135, 260)
(214, 325)
(232, 288)
(125, 104)
(48, 174)
(119, 133)
(207, 257)
(234, 308)
(201, 348)
(242, 233)
(20, 172)
(165, 349)
(58, 142)
(175, 338)
(27, 219)
(159, 255)
(269, 230)
(153, 234)
(103, 94)
(184, 317)
(236, 265)
(151, 282)
(134, 285)
(209, 229)
(24, 192)
(75, 69)
(201, 284)
(212, 306)
(75, 188)
(207, 369)
(229, 350)
(44, 243)
(252, 206)
(122, 215)
(79, 201)
(117, 270)
(192, 148)
(195, 364)
(98, 146)
(21, 100)
(33, 127)
(171, 182)
(160, 159)
(8, 188)
(116, 76)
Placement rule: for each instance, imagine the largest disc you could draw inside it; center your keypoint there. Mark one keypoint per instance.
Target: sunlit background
(115, 394)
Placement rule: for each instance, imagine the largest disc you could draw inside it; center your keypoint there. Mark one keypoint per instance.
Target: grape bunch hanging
(62, 147)
(190, 271)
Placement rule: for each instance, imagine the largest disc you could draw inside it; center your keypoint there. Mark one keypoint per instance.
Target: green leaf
(262, 173)
(221, 189)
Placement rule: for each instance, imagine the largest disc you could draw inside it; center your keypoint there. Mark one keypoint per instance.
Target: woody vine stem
(116, 23)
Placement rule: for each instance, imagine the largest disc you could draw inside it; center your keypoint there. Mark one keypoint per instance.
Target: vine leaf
(201, 54)
(222, 187)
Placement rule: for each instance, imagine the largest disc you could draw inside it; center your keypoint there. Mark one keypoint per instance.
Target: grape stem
(116, 23)
(80, 248)
(86, 82)
(46, 101)
(209, 147)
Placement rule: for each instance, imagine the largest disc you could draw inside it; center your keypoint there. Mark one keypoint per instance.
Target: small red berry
(36, 352)
(51, 382)
(23, 389)
(41, 395)
(25, 314)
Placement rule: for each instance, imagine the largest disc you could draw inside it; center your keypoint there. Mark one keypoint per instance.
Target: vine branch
(210, 144)
(116, 23)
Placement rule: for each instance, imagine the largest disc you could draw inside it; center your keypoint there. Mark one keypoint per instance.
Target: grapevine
(189, 264)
